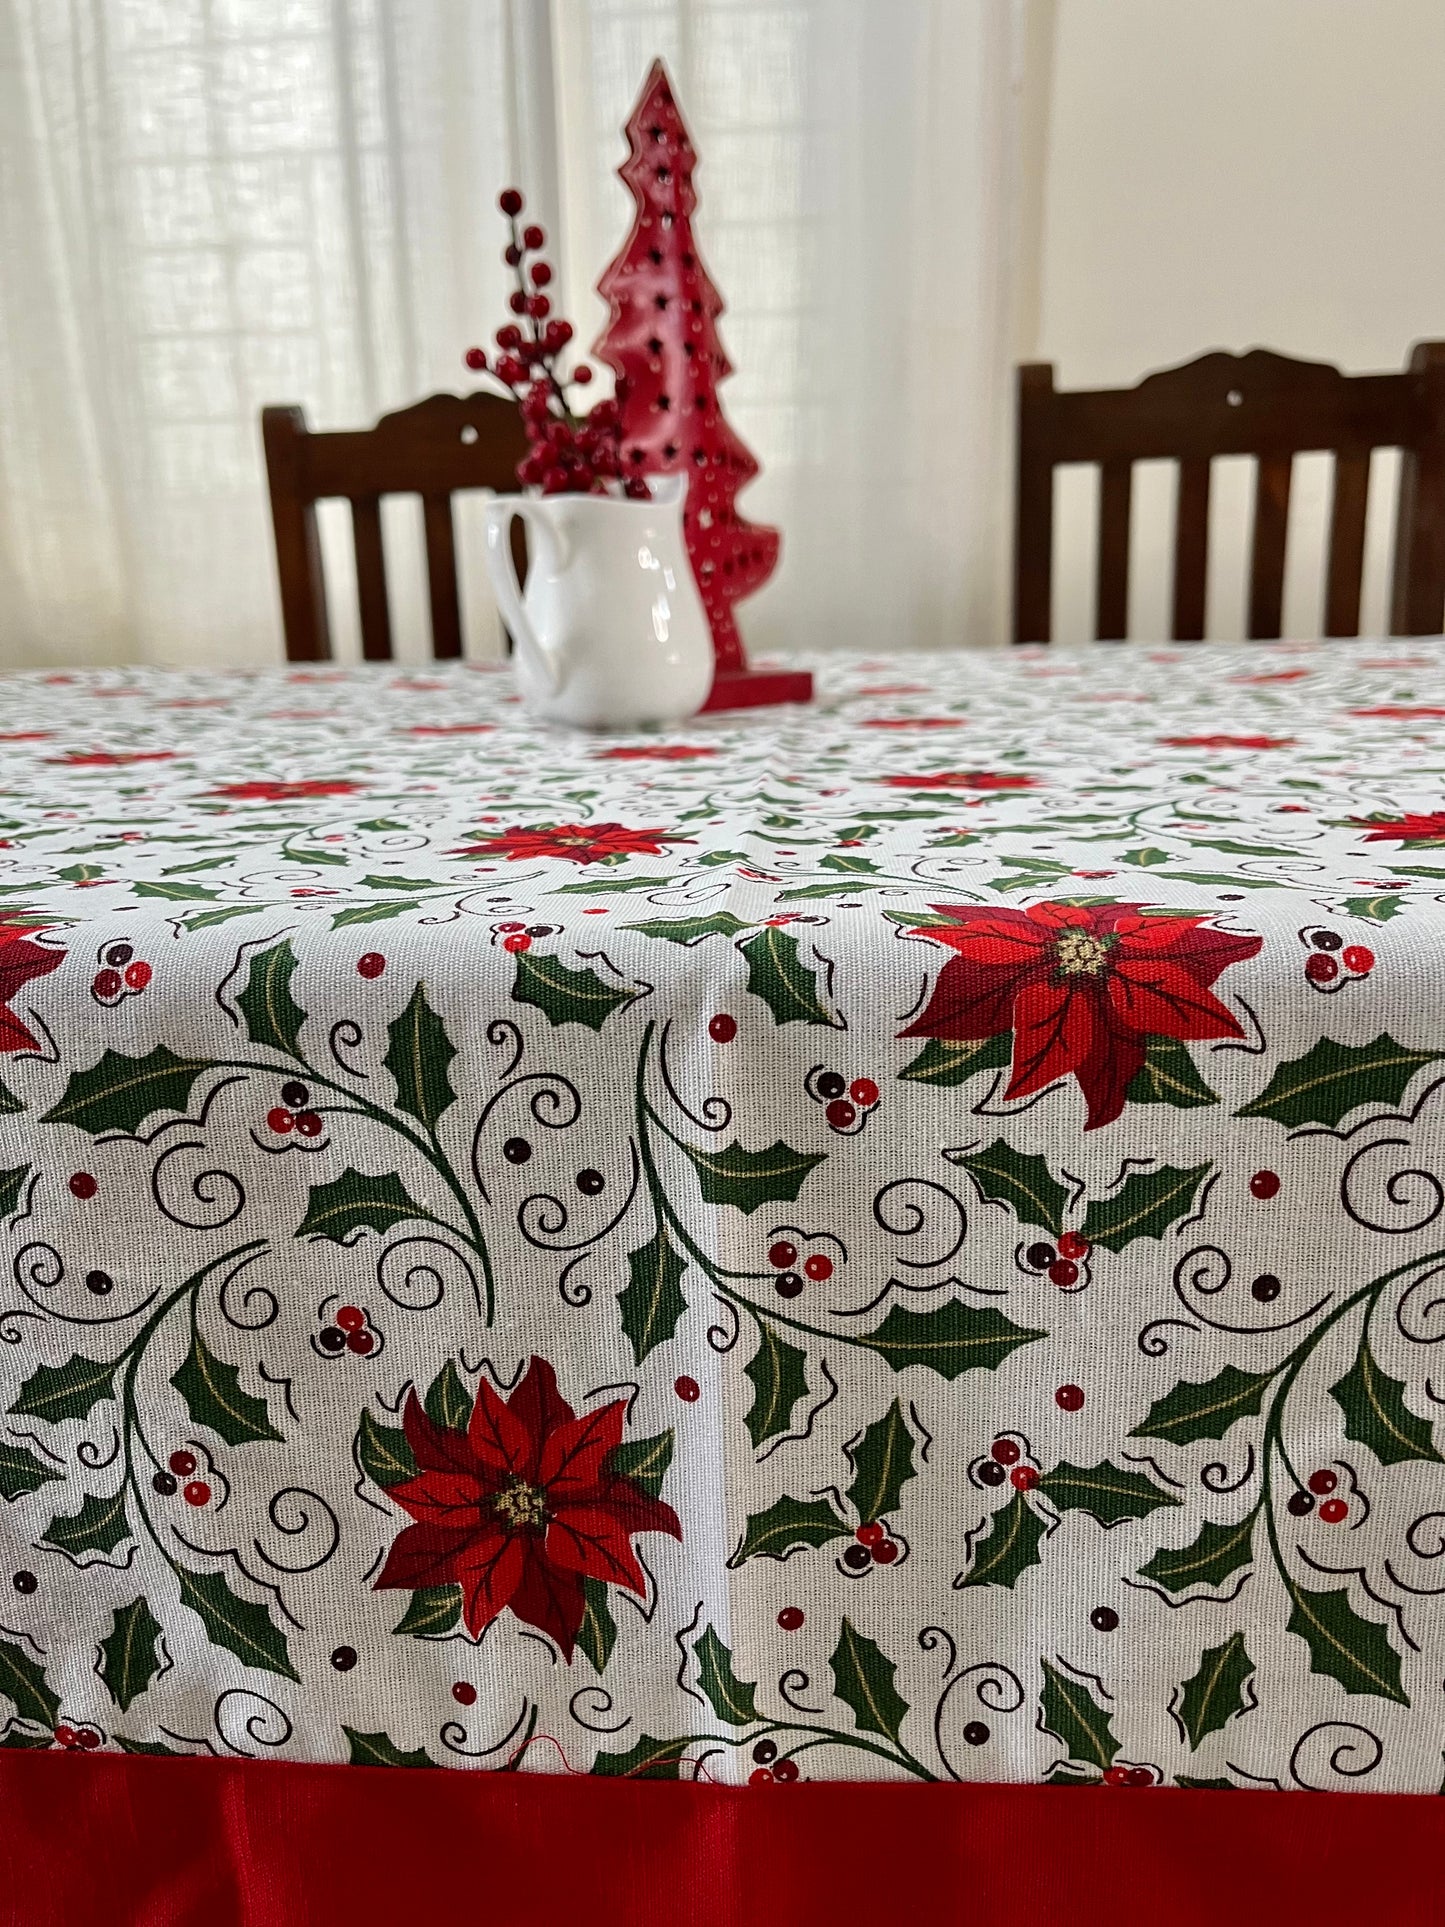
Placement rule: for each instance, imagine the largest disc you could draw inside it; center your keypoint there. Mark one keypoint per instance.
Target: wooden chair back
(444, 444)
(1260, 404)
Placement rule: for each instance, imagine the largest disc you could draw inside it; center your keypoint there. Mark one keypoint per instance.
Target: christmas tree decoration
(662, 343)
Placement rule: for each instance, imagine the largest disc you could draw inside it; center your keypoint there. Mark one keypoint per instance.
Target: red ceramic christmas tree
(662, 343)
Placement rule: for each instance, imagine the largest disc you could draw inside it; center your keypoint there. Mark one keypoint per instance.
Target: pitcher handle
(502, 569)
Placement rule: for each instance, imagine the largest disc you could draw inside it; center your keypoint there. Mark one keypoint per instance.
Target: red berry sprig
(569, 453)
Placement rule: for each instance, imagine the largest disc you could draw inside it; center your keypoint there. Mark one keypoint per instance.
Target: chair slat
(371, 578)
(1034, 508)
(1345, 567)
(1191, 550)
(441, 570)
(1271, 525)
(1116, 485)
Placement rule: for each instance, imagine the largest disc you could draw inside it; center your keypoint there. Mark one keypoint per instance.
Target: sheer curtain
(206, 205)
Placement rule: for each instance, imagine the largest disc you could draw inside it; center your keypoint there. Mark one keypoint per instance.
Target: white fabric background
(206, 205)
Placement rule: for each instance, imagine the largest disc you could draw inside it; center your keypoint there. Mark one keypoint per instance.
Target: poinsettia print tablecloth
(901, 1239)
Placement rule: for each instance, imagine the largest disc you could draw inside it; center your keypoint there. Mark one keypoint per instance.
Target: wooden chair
(1259, 404)
(443, 444)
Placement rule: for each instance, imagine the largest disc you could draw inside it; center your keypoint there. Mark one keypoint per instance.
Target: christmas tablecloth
(902, 1240)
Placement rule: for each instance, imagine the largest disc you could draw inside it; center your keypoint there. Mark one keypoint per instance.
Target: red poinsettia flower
(963, 779)
(263, 792)
(522, 1507)
(20, 960)
(1429, 828)
(659, 752)
(578, 842)
(110, 758)
(1401, 712)
(1082, 989)
(1227, 742)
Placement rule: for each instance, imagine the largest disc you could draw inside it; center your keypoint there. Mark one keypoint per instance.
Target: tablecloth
(893, 1240)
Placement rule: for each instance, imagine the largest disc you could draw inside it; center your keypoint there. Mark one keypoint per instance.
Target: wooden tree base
(758, 688)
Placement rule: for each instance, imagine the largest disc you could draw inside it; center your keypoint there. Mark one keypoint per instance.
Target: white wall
(1231, 173)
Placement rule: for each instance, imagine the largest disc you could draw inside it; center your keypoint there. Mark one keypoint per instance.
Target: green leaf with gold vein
(448, 1402)
(788, 1524)
(1009, 1547)
(1331, 1080)
(566, 996)
(273, 1016)
(882, 1462)
(418, 1055)
(1216, 1555)
(748, 1179)
(382, 912)
(1205, 1409)
(98, 1526)
(130, 1657)
(789, 987)
(1023, 1183)
(863, 1678)
(22, 1682)
(379, 1749)
(597, 1634)
(652, 1302)
(1376, 1414)
(358, 1201)
(1374, 909)
(1348, 1648)
(1216, 1692)
(1168, 1076)
(948, 1062)
(120, 1093)
(1107, 1492)
(645, 1461)
(1074, 1716)
(779, 1380)
(690, 930)
(214, 1397)
(1146, 1204)
(384, 1453)
(951, 1339)
(240, 1625)
(649, 1759)
(431, 1611)
(732, 1699)
(21, 1471)
(71, 1390)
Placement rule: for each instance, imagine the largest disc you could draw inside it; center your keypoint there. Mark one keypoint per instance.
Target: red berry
(361, 1343)
(782, 1256)
(1073, 1244)
(532, 236)
(517, 302)
(786, 1770)
(351, 1318)
(1063, 1272)
(1139, 1776)
(464, 1693)
(886, 1553)
(138, 975)
(183, 1464)
(818, 1267)
(280, 1121)
(760, 1776)
(371, 965)
(790, 1618)
(582, 375)
(309, 1124)
(1333, 1510)
(510, 202)
(1323, 1481)
(88, 1738)
(65, 1736)
(541, 273)
(863, 1091)
(521, 941)
(1024, 1478)
(840, 1114)
(1264, 1184)
(1006, 1451)
(870, 1534)
(722, 1029)
(106, 983)
(1321, 969)
(83, 1185)
(196, 1493)
(688, 1390)
(1359, 958)
(476, 359)
(1116, 1776)
(1069, 1398)
(509, 336)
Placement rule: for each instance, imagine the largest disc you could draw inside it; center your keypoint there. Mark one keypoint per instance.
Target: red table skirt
(116, 1842)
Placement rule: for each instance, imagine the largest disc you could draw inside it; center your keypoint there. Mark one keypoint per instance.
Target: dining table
(896, 1240)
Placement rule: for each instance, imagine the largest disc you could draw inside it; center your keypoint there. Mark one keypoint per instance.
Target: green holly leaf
(1331, 1080)
(566, 996)
(130, 1658)
(430, 1611)
(1216, 1692)
(1204, 1409)
(17, 1738)
(951, 1339)
(882, 1462)
(379, 1749)
(1216, 1555)
(71, 1390)
(1007, 1549)
(384, 1453)
(690, 930)
(1348, 1648)
(732, 1699)
(1376, 1414)
(1024, 1184)
(1374, 909)
(811, 891)
(652, 1302)
(214, 1397)
(779, 1380)
(1063, 1775)
(649, 1759)
(9, 1102)
(402, 883)
(863, 1679)
(448, 1402)
(1168, 1076)
(205, 920)
(149, 1747)
(1074, 1716)
(788, 986)
(1204, 1786)
(240, 1625)
(98, 1526)
(23, 1683)
(644, 1461)
(592, 886)
(12, 1188)
(358, 1201)
(947, 1061)
(862, 865)
(120, 1093)
(786, 1525)
(597, 1634)
(748, 1179)
(1105, 1491)
(370, 913)
(175, 892)
(21, 1471)
(1144, 1206)
(1148, 858)
(418, 1055)
(273, 1016)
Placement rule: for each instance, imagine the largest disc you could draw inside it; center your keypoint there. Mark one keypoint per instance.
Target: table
(899, 1240)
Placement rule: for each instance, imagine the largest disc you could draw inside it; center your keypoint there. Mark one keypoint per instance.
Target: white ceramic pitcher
(611, 631)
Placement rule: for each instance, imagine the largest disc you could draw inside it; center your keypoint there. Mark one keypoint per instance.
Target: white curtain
(206, 205)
